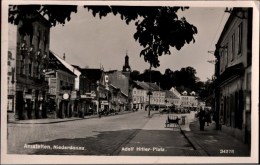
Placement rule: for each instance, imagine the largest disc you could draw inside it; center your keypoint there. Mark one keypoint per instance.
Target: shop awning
(230, 73)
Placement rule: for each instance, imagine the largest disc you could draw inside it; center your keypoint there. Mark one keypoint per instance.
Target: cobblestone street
(110, 135)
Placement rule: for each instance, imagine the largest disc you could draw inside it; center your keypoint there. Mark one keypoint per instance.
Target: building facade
(62, 98)
(172, 100)
(189, 100)
(118, 100)
(140, 95)
(233, 75)
(29, 53)
(94, 90)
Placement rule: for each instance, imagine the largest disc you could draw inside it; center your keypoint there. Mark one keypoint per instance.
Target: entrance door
(19, 104)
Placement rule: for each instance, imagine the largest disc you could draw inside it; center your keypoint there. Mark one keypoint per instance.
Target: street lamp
(97, 97)
(149, 93)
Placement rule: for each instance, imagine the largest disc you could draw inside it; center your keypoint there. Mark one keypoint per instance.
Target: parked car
(165, 110)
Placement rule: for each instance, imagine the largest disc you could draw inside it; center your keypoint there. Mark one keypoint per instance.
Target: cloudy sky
(90, 41)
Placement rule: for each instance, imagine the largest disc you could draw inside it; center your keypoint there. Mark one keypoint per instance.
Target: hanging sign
(65, 96)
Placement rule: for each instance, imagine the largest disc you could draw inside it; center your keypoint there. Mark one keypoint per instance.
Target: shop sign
(93, 94)
(83, 96)
(52, 91)
(50, 76)
(104, 102)
(73, 95)
(28, 96)
(65, 96)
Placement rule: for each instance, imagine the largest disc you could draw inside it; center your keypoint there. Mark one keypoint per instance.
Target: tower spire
(126, 67)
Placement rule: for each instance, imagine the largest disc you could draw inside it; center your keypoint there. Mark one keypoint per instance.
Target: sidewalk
(212, 142)
(58, 120)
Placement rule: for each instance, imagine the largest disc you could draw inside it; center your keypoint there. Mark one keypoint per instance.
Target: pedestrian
(202, 118)
(208, 117)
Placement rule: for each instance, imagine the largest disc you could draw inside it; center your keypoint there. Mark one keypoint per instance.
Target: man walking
(202, 117)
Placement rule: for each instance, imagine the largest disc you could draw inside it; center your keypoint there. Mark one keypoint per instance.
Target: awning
(230, 73)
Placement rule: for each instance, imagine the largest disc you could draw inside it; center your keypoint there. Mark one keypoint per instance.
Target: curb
(194, 144)
(61, 121)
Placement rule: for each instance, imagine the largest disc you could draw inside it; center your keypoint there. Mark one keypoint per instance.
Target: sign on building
(52, 86)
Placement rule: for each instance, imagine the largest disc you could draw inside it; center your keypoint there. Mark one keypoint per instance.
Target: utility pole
(149, 92)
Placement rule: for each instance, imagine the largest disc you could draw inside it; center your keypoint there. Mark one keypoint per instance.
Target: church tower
(126, 67)
(126, 71)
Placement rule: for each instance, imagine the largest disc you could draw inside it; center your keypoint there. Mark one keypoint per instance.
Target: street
(127, 134)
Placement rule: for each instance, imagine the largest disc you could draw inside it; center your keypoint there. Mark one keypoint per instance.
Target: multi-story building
(172, 100)
(29, 53)
(189, 100)
(140, 95)
(61, 87)
(119, 80)
(233, 75)
(11, 76)
(176, 98)
(118, 101)
(94, 90)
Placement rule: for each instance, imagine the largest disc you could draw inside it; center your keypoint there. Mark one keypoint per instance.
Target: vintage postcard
(130, 82)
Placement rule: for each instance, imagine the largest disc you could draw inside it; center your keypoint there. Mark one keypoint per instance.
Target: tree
(157, 28)
(135, 75)
(186, 77)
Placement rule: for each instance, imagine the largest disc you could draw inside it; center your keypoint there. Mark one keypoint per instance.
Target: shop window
(61, 84)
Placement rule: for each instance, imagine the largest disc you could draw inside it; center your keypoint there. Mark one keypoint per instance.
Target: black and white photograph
(129, 82)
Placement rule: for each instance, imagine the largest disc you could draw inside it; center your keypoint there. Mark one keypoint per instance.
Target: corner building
(29, 58)
(233, 75)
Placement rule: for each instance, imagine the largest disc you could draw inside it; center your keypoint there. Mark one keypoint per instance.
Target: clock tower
(126, 67)
(126, 71)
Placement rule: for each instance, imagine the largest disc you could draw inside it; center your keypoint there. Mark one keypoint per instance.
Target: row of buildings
(41, 84)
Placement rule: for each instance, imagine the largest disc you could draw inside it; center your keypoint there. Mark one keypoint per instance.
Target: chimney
(64, 57)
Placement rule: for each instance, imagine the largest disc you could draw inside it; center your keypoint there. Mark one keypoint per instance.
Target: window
(22, 67)
(31, 68)
(226, 54)
(45, 40)
(61, 84)
(38, 39)
(239, 38)
(232, 47)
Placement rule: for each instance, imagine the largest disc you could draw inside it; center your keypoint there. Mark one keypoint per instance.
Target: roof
(67, 65)
(234, 15)
(147, 86)
(59, 63)
(92, 74)
(169, 94)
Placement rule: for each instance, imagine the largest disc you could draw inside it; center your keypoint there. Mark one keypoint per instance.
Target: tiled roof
(60, 63)
(170, 94)
(147, 86)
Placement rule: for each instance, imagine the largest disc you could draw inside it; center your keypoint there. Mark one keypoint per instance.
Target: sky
(92, 42)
